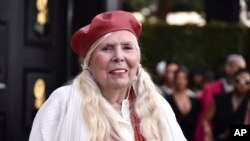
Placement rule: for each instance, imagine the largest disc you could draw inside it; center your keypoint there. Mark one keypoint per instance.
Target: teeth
(119, 71)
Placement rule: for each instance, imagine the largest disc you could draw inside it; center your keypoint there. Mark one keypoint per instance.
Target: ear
(138, 67)
(90, 69)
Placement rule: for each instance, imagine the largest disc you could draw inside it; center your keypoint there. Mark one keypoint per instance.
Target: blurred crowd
(206, 107)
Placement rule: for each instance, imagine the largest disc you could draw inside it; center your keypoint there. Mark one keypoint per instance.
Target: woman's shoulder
(173, 128)
(60, 94)
(162, 99)
(49, 116)
(164, 105)
(223, 96)
(194, 100)
(56, 102)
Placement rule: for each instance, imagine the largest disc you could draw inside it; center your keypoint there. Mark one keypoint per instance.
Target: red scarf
(133, 117)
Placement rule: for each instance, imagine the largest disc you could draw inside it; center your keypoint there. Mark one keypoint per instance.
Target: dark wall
(28, 53)
(222, 10)
(83, 12)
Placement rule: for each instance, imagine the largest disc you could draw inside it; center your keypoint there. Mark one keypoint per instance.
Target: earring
(139, 65)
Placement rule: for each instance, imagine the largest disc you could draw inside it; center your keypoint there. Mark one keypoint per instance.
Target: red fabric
(134, 119)
(207, 96)
(102, 24)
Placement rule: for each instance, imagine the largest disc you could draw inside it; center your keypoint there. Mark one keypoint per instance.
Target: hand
(208, 137)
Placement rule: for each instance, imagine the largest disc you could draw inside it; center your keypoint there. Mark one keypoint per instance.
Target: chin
(120, 84)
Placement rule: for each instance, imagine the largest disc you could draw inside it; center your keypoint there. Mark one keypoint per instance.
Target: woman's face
(114, 62)
(242, 83)
(170, 71)
(181, 81)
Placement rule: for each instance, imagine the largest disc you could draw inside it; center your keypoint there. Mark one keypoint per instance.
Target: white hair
(96, 109)
(236, 59)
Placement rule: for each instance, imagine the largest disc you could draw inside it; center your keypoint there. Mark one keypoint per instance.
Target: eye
(107, 48)
(237, 81)
(127, 47)
(248, 82)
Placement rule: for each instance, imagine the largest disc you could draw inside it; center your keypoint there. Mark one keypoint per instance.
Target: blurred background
(36, 58)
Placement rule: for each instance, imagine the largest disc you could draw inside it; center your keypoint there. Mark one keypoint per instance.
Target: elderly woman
(113, 98)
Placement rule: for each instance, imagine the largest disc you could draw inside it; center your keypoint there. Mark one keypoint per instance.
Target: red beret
(100, 25)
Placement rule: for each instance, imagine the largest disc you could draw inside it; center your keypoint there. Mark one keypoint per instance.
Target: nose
(118, 55)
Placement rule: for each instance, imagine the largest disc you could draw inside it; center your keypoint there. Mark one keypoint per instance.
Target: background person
(233, 63)
(168, 81)
(185, 106)
(228, 109)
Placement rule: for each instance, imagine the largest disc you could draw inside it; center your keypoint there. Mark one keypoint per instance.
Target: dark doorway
(35, 56)
(31, 51)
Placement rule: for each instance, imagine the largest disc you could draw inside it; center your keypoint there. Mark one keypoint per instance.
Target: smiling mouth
(118, 71)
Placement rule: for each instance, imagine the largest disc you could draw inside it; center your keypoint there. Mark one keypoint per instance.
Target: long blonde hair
(96, 109)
